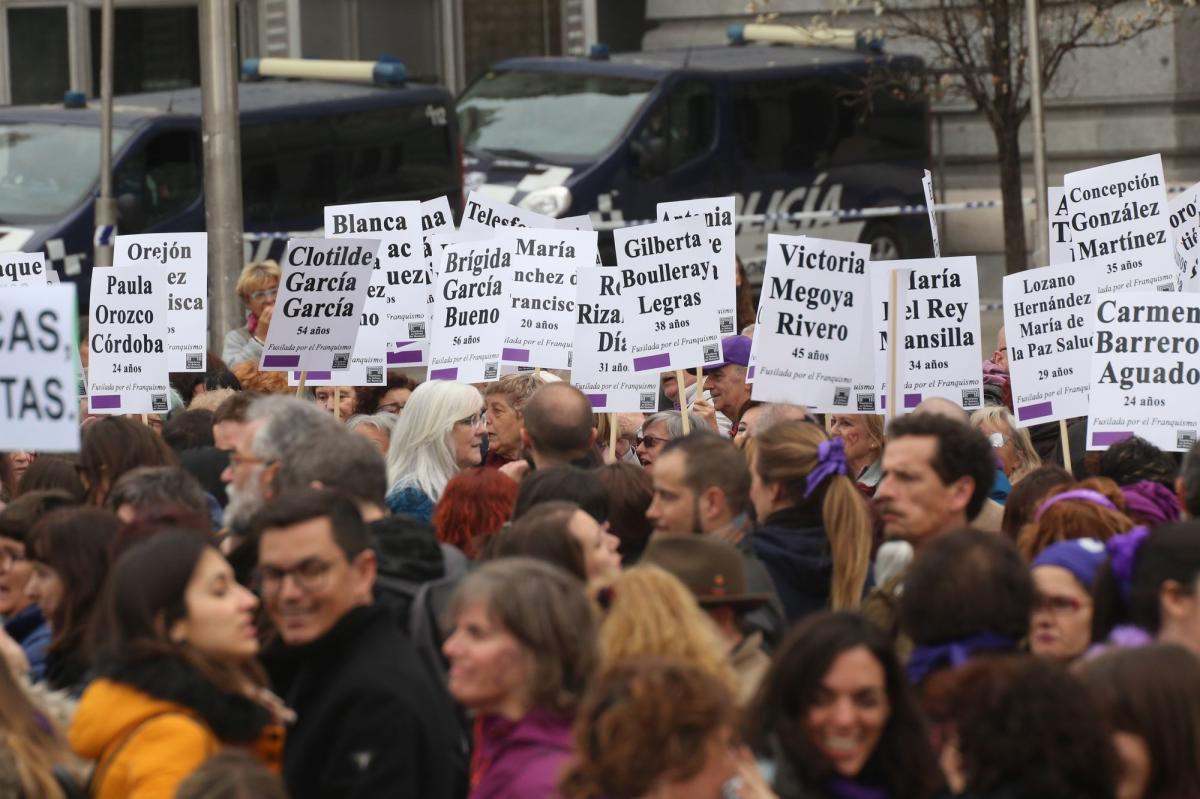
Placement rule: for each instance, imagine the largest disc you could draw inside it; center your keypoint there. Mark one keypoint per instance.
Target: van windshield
(550, 116)
(46, 169)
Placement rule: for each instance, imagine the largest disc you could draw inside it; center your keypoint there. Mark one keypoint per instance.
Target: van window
(47, 169)
(681, 128)
(784, 126)
(158, 181)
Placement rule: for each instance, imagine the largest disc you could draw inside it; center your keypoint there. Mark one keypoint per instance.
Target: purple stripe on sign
(443, 374)
(404, 343)
(1108, 439)
(750, 373)
(651, 362)
(912, 400)
(598, 400)
(106, 401)
(318, 376)
(515, 355)
(285, 361)
(408, 356)
(1037, 411)
(883, 403)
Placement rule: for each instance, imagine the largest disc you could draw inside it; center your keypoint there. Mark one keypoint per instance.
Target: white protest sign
(1062, 251)
(927, 186)
(320, 304)
(127, 340)
(540, 318)
(814, 331)
(718, 214)
(662, 270)
(602, 367)
(24, 269)
(39, 410)
(396, 312)
(1145, 370)
(939, 330)
(1119, 217)
(1185, 226)
(483, 212)
(183, 259)
(468, 321)
(1048, 316)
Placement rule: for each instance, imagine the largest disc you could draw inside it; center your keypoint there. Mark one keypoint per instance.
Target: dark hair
(1170, 552)
(473, 506)
(189, 430)
(1153, 692)
(367, 398)
(966, 582)
(1134, 459)
(558, 419)
(713, 460)
(217, 376)
(349, 531)
(779, 713)
(630, 492)
(961, 451)
(232, 774)
(563, 483)
(543, 534)
(77, 544)
(233, 409)
(23, 513)
(1190, 474)
(114, 445)
(1027, 493)
(1026, 725)
(49, 472)
(149, 486)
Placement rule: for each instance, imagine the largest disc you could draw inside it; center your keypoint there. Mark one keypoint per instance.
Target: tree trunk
(1009, 149)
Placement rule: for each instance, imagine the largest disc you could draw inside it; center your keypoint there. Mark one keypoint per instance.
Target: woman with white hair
(438, 434)
(1012, 444)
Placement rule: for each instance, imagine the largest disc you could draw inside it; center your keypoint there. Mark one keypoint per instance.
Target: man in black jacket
(370, 719)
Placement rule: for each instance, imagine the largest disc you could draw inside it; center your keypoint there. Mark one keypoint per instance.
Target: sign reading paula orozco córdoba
(23, 269)
(183, 258)
(718, 214)
(1048, 316)
(1145, 370)
(814, 332)
(1120, 221)
(602, 366)
(397, 305)
(319, 305)
(483, 212)
(1185, 225)
(38, 409)
(939, 352)
(1062, 251)
(469, 314)
(127, 340)
(539, 321)
(664, 272)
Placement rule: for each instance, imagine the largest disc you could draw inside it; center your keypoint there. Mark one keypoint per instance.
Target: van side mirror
(649, 156)
(131, 213)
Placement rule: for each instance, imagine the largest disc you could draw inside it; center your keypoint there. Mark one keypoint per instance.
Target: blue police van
(783, 129)
(305, 145)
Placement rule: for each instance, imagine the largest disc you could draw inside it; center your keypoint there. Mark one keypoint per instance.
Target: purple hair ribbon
(831, 459)
(1085, 494)
(1122, 556)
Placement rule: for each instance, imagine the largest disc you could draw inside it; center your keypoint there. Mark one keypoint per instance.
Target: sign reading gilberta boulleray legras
(320, 304)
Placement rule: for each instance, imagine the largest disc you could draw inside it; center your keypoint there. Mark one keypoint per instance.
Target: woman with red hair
(474, 505)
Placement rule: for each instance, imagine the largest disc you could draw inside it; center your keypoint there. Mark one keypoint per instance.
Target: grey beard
(242, 507)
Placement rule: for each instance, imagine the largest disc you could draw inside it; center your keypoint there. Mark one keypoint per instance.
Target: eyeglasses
(262, 295)
(1057, 605)
(650, 441)
(473, 421)
(9, 558)
(237, 459)
(997, 440)
(309, 575)
(391, 407)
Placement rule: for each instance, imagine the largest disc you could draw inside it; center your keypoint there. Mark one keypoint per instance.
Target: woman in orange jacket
(177, 676)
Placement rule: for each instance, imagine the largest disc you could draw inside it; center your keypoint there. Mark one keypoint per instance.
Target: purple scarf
(1151, 502)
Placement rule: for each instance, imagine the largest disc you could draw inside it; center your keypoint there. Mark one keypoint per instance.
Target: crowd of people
(443, 590)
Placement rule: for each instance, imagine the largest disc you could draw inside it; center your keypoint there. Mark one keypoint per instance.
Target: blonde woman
(815, 531)
(862, 438)
(256, 288)
(1010, 443)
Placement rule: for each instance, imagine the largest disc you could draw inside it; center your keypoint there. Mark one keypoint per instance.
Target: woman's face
(847, 719)
(600, 554)
(466, 437)
(343, 397)
(489, 670)
(650, 442)
(45, 588)
(19, 461)
(1007, 452)
(220, 612)
(746, 425)
(859, 446)
(1061, 627)
(263, 296)
(1134, 757)
(394, 401)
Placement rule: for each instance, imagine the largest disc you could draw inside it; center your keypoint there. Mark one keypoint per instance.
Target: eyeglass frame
(638, 441)
(264, 294)
(475, 420)
(1066, 605)
(308, 585)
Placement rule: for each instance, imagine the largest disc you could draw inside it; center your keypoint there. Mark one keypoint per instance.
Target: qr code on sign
(1184, 439)
(841, 395)
(491, 370)
(712, 352)
(647, 401)
(374, 375)
(416, 330)
(727, 325)
(341, 360)
(970, 398)
(194, 360)
(866, 402)
(158, 403)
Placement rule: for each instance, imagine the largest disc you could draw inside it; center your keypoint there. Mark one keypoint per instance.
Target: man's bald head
(940, 406)
(558, 424)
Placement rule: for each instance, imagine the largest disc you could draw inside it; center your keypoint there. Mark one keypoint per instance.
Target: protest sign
(356, 375)
(320, 304)
(1145, 370)
(1048, 316)
(662, 271)
(397, 305)
(469, 315)
(40, 411)
(1185, 225)
(482, 212)
(1062, 251)
(927, 186)
(938, 333)
(1119, 217)
(814, 331)
(540, 318)
(183, 259)
(127, 340)
(24, 269)
(602, 367)
(718, 214)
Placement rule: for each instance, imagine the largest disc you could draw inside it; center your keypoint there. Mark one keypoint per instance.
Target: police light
(598, 52)
(72, 99)
(378, 72)
(807, 37)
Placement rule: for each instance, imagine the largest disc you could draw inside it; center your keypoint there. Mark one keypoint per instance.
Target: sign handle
(681, 383)
(303, 380)
(146, 419)
(893, 342)
(611, 455)
(829, 424)
(337, 403)
(537, 373)
(1066, 446)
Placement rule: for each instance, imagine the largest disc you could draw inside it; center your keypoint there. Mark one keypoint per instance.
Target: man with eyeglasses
(371, 721)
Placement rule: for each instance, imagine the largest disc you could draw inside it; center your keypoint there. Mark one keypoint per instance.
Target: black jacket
(793, 546)
(371, 722)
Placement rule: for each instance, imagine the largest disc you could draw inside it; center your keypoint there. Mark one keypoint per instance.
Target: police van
(305, 144)
(782, 128)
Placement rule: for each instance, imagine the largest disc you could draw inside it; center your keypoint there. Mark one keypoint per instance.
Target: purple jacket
(520, 760)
